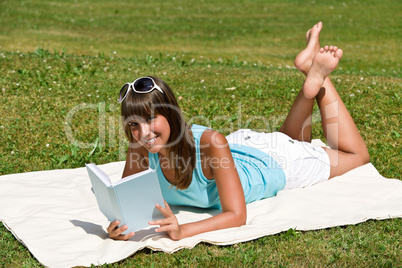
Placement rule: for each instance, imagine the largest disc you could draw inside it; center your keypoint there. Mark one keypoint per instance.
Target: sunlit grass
(46, 91)
(63, 62)
(266, 31)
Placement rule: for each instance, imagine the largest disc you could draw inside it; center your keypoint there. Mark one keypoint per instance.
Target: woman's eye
(133, 124)
(150, 119)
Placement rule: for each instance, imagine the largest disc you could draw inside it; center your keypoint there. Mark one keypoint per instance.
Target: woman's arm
(136, 160)
(220, 166)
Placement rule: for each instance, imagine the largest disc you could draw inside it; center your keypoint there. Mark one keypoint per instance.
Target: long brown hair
(180, 145)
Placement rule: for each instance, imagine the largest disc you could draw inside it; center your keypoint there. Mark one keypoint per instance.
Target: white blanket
(55, 214)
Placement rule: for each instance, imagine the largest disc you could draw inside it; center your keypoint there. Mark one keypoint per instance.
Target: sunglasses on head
(140, 85)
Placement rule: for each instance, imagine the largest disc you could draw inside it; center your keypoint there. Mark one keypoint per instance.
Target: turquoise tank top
(260, 175)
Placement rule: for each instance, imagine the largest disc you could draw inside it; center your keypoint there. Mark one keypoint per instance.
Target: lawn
(63, 62)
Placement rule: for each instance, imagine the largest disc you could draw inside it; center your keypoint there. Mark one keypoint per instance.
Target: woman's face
(153, 133)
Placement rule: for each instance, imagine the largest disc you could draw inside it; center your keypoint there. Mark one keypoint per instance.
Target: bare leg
(348, 150)
(298, 122)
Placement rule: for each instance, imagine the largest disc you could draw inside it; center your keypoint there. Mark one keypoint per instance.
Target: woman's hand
(170, 224)
(116, 233)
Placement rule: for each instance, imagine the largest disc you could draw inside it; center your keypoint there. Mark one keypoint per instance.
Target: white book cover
(130, 200)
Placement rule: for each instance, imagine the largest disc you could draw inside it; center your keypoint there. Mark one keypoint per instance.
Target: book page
(100, 174)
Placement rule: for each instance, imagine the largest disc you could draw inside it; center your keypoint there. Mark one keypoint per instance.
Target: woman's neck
(164, 153)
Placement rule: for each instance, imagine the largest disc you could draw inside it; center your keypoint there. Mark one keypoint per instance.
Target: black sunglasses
(140, 85)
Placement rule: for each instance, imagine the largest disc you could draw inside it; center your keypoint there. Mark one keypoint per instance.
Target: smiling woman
(226, 173)
(32, 107)
(168, 41)
(146, 117)
(152, 133)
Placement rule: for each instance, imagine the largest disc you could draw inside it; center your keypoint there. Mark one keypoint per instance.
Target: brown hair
(180, 145)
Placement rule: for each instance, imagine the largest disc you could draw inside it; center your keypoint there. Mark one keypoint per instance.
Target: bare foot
(324, 62)
(305, 57)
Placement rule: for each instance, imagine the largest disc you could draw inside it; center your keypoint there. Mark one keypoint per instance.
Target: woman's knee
(342, 162)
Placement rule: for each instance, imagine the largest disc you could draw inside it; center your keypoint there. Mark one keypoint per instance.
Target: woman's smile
(153, 133)
(151, 141)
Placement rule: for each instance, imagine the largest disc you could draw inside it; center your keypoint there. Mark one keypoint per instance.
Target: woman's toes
(308, 36)
(339, 53)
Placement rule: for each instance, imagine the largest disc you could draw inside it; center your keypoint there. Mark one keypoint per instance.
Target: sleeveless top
(260, 175)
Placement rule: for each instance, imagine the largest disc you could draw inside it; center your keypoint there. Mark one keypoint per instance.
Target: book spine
(116, 205)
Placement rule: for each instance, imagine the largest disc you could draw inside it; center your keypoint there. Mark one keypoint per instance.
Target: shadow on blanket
(141, 235)
(91, 228)
(95, 229)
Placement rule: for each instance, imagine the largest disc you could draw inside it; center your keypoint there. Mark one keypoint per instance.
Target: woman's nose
(145, 130)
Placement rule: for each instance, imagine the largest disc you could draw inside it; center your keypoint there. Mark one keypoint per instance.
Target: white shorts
(304, 164)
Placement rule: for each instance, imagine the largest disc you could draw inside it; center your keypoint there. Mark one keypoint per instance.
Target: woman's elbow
(240, 219)
(243, 220)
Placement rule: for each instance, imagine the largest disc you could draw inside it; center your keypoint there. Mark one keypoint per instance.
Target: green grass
(203, 50)
(266, 31)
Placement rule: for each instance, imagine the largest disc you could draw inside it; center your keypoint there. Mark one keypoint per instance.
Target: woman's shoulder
(213, 139)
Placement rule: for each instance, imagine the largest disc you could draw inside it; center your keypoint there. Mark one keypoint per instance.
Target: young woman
(200, 167)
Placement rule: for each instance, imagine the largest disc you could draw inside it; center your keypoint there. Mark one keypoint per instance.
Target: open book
(130, 200)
